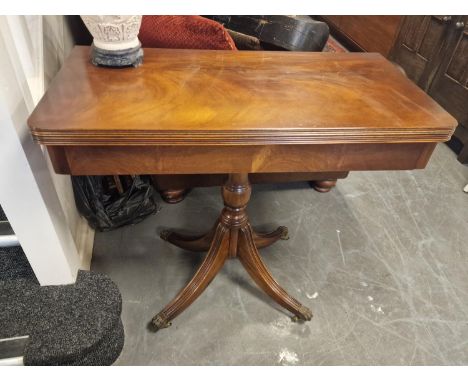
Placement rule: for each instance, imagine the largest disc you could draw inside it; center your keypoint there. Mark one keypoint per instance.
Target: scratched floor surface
(382, 261)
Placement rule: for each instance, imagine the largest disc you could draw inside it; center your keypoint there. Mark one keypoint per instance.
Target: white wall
(57, 44)
(38, 203)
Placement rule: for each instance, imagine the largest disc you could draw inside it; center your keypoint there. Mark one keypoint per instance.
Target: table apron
(102, 160)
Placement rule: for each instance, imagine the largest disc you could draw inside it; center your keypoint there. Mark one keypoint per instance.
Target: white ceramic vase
(115, 39)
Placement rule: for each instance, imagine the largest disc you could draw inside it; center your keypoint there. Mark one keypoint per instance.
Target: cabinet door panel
(434, 30)
(457, 69)
(417, 45)
(450, 85)
(413, 32)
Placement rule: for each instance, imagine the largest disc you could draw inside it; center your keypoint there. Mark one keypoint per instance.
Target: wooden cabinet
(450, 84)
(367, 33)
(418, 46)
(433, 50)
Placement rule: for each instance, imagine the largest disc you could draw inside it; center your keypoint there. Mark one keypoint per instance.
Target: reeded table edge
(244, 137)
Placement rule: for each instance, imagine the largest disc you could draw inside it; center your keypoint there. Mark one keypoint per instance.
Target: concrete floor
(382, 261)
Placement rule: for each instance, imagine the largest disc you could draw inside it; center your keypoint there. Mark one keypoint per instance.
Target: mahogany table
(239, 113)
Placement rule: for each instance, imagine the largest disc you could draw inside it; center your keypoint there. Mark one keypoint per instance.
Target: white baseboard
(84, 239)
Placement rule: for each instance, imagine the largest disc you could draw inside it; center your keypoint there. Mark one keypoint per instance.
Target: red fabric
(184, 32)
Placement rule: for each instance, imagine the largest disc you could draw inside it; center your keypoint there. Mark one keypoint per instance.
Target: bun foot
(323, 185)
(173, 196)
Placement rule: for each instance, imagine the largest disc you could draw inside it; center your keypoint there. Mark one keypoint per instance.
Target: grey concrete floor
(382, 261)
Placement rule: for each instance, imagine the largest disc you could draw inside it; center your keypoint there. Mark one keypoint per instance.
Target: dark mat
(76, 324)
(13, 262)
(70, 324)
(107, 351)
(14, 265)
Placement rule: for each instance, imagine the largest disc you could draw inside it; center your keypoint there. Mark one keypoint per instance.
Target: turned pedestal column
(231, 237)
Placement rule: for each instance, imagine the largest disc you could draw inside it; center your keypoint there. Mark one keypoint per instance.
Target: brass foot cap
(304, 314)
(160, 322)
(165, 235)
(285, 234)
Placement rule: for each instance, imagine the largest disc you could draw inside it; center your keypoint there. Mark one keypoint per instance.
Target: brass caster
(160, 322)
(305, 314)
(165, 235)
(285, 234)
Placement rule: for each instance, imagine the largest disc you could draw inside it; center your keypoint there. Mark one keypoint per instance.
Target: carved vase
(115, 39)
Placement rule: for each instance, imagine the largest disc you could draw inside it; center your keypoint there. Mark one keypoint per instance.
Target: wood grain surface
(196, 97)
(123, 160)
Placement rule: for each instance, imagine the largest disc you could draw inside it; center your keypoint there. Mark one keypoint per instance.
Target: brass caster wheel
(285, 234)
(160, 322)
(305, 314)
(165, 235)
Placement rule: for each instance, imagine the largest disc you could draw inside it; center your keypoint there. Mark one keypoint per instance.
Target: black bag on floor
(107, 203)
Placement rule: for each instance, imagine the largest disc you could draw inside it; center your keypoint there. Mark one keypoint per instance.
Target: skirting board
(84, 239)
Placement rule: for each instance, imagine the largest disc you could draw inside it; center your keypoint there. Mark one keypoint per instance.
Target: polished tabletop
(197, 97)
